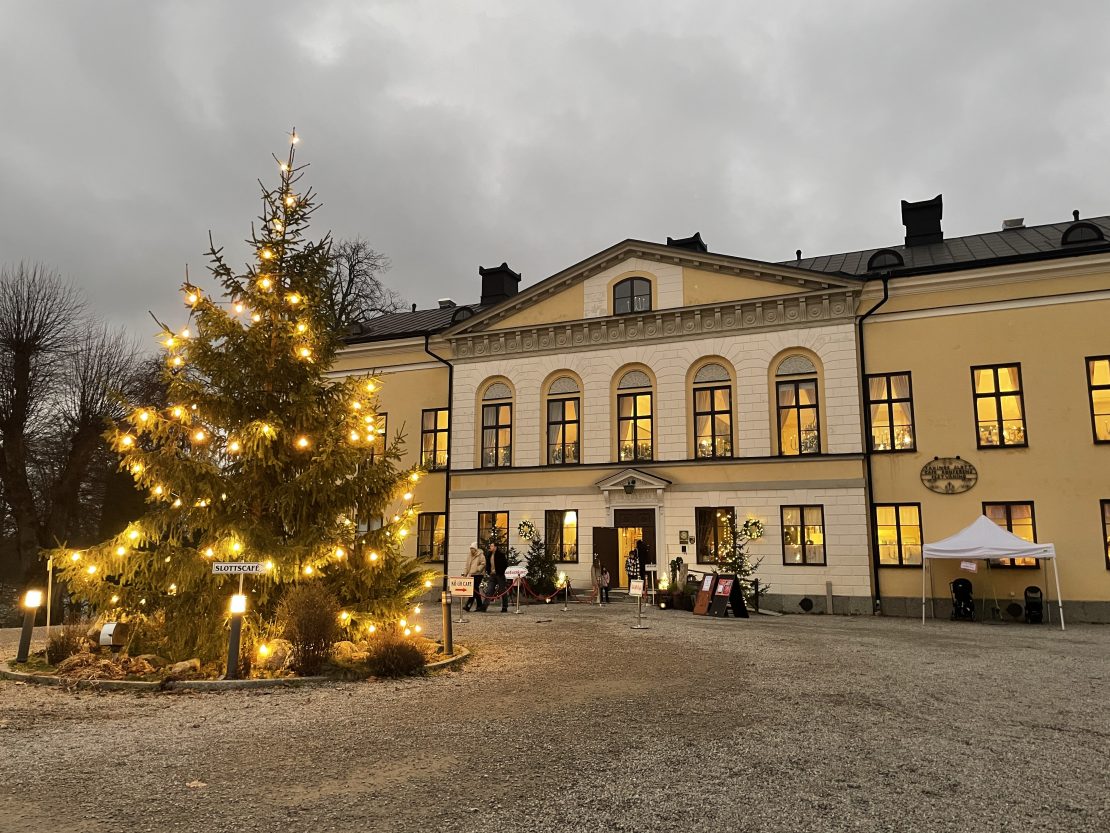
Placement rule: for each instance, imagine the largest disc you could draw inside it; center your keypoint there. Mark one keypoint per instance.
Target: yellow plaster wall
(1063, 472)
(704, 287)
(566, 305)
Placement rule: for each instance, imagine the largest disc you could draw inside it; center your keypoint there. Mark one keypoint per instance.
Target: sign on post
(238, 568)
(461, 585)
(636, 588)
(516, 572)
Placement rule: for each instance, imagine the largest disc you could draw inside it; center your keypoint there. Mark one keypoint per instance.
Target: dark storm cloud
(453, 134)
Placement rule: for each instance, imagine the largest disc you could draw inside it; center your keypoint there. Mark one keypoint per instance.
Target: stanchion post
(448, 635)
(518, 581)
(238, 608)
(566, 595)
(639, 626)
(31, 603)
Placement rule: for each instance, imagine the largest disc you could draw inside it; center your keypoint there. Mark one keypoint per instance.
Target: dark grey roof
(1026, 243)
(400, 324)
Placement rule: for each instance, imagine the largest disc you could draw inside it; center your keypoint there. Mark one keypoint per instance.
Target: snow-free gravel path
(574, 722)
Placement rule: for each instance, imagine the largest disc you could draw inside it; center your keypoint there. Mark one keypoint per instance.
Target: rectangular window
(430, 529)
(434, 431)
(1017, 518)
(1106, 531)
(561, 533)
(798, 419)
(890, 399)
(711, 523)
(562, 431)
(497, 436)
(634, 426)
(377, 438)
(898, 531)
(999, 407)
(491, 523)
(713, 422)
(1098, 383)
(803, 535)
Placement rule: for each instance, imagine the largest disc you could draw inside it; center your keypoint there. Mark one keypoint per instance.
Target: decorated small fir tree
(542, 569)
(732, 552)
(257, 457)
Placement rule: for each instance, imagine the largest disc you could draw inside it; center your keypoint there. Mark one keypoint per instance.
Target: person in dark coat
(642, 557)
(498, 562)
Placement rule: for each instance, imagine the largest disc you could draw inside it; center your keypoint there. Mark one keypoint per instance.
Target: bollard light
(238, 608)
(31, 601)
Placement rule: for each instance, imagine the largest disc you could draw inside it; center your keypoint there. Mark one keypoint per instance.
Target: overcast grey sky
(464, 133)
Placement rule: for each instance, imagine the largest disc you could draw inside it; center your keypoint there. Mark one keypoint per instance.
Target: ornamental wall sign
(949, 475)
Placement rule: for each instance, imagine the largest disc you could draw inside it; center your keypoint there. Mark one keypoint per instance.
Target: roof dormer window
(632, 295)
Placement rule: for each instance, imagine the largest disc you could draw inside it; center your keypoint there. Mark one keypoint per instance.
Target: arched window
(497, 426)
(564, 404)
(1081, 232)
(797, 404)
(712, 412)
(632, 295)
(634, 417)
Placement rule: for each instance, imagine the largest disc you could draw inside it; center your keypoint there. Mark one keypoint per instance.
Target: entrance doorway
(633, 525)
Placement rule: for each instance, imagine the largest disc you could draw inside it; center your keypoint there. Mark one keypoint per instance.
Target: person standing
(642, 556)
(603, 585)
(498, 563)
(475, 569)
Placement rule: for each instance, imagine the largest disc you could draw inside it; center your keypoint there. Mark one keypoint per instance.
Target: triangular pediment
(638, 478)
(703, 277)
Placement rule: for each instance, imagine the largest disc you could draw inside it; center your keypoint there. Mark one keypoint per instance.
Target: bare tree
(355, 291)
(61, 379)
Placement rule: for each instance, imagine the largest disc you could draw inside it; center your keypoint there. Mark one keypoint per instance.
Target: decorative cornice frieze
(789, 311)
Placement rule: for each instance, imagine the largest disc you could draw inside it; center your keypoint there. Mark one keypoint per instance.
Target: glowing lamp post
(31, 603)
(238, 608)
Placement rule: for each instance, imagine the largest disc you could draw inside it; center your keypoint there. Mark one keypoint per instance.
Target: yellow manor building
(857, 404)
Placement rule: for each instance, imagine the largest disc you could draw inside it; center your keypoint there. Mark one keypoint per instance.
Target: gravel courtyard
(574, 722)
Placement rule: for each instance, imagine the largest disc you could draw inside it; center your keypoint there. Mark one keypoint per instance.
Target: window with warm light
(890, 410)
(434, 432)
(712, 529)
(1105, 504)
(1015, 517)
(563, 422)
(712, 413)
(1098, 385)
(803, 535)
(999, 406)
(632, 295)
(561, 533)
(431, 529)
(634, 417)
(796, 400)
(898, 532)
(491, 525)
(497, 427)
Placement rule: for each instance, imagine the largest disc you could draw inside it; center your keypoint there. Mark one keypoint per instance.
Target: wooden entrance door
(606, 553)
(633, 524)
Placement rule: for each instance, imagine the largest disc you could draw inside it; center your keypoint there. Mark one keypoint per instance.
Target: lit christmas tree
(732, 552)
(258, 457)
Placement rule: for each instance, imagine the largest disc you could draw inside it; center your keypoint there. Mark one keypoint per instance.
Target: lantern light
(32, 599)
(238, 604)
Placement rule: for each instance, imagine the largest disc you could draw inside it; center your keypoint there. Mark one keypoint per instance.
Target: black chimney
(922, 221)
(498, 283)
(694, 244)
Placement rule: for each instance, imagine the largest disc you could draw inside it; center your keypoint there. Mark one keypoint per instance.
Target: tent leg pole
(923, 562)
(1059, 598)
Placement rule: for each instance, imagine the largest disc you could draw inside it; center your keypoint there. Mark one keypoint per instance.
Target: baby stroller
(963, 605)
(1034, 605)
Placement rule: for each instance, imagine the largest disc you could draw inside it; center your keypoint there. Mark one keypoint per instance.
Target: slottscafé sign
(949, 475)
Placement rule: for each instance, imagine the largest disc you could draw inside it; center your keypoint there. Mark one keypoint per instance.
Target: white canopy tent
(985, 539)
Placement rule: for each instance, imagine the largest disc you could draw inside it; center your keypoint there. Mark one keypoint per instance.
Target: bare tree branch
(355, 291)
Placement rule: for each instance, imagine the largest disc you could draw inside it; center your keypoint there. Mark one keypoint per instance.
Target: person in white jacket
(476, 569)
